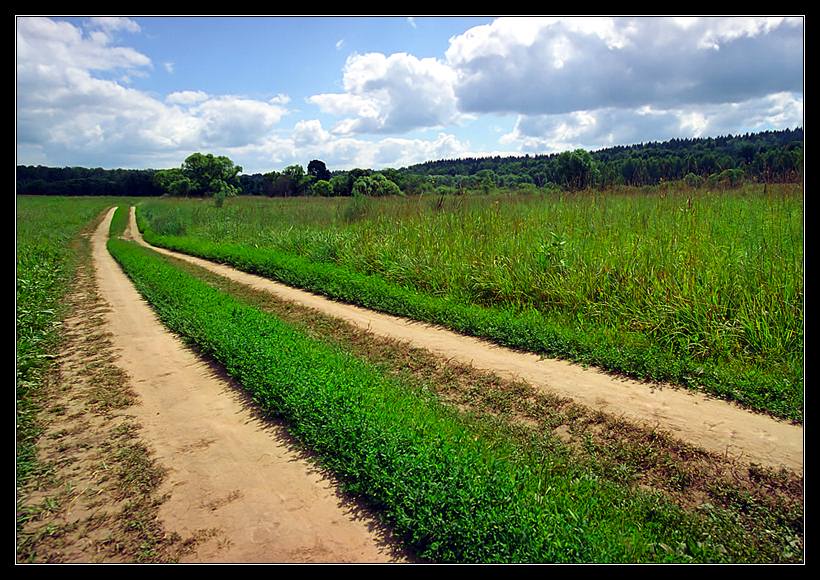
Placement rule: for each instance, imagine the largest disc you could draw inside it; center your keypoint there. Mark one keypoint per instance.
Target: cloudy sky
(376, 92)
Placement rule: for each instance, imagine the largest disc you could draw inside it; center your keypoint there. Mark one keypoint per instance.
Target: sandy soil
(712, 424)
(235, 479)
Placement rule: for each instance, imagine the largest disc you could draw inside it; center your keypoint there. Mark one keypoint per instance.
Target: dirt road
(712, 424)
(235, 480)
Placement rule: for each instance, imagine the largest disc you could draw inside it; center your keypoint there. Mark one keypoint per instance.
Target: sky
(146, 92)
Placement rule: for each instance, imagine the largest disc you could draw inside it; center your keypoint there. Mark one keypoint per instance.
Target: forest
(726, 161)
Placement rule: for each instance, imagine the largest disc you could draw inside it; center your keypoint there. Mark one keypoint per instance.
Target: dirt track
(712, 424)
(235, 480)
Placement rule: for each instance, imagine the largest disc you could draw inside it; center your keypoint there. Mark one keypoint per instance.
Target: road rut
(235, 480)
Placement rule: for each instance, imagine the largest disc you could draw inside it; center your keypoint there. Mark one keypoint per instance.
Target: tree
(318, 171)
(209, 174)
(376, 185)
(322, 188)
(173, 181)
(299, 181)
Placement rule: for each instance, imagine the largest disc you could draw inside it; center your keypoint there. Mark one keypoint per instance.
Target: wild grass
(700, 288)
(453, 491)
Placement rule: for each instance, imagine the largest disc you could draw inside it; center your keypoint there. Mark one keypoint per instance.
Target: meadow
(697, 287)
(453, 487)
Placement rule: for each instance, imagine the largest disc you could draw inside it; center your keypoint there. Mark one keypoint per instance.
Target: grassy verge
(119, 221)
(453, 489)
(553, 333)
(46, 260)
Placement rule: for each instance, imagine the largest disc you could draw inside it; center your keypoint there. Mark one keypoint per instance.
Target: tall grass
(714, 278)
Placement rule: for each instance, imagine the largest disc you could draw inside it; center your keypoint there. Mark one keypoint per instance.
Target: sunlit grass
(713, 278)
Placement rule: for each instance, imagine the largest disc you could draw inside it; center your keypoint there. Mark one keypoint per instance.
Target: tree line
(770, 156)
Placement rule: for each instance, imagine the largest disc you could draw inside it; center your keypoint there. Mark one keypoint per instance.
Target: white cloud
(610, 126)
(279, 99)
(309, 140)
(535, 66)
(113, 23)
(48, 43)
(340, 43)
(411, 21)
(169, 67)
(65, 111)
(186, 97)
(391, 94)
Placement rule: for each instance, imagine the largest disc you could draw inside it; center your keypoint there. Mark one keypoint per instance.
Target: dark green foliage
(452, 492)
(771, 156)
(318, 171)
(77, 181)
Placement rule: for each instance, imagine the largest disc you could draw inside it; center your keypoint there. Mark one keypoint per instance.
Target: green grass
(119, 221)
(46, 255)
(702, 289)
(452, 490)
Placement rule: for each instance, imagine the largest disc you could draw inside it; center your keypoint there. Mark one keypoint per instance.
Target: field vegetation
(699, 287)
(454, 488)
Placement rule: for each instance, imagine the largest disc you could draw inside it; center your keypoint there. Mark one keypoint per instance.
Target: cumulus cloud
(391, 94)
(612, 126)
(114, 23)
(309, 140)
(186, 97)
(53, 45)
(65, 110)
(558, 65)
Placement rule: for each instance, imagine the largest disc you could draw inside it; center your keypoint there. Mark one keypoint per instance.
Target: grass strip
(453, 496)
(119, 221)
(631, 354)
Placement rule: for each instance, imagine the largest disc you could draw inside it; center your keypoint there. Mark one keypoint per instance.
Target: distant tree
(692, 180)
(173, 182)
(318, 171)
(576, 169)
(210, 175)
(340, 185)
(375, 185)
(299, 180)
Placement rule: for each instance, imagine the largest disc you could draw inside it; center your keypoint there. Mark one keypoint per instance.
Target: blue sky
(376, 92)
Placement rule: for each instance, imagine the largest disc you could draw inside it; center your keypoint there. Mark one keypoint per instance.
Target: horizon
(530, 155)
(130, 93)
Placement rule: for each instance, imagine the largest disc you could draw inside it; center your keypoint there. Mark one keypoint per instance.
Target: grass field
(454, 488)
(456, 482)
(699, 288)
